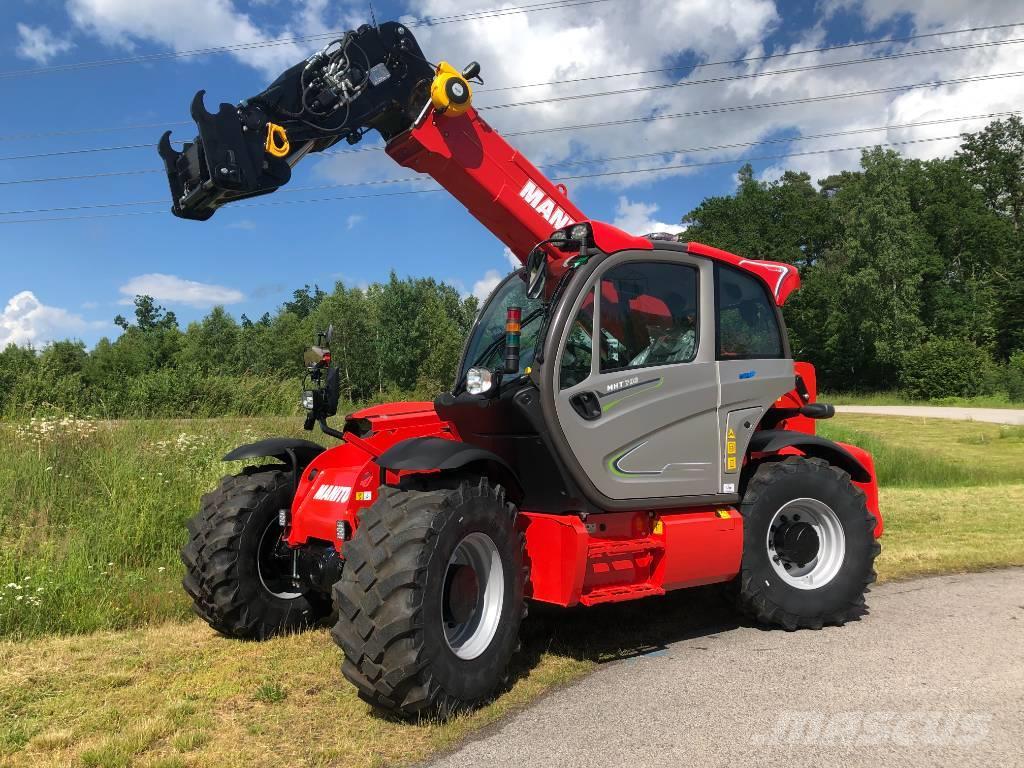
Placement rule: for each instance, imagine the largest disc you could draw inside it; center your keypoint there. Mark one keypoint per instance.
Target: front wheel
(808, 545)
(431, 598)
(238, 570)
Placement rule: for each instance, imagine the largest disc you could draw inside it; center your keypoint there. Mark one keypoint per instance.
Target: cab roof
(781, 279)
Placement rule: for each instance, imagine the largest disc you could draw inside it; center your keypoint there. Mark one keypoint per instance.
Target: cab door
(636, 385)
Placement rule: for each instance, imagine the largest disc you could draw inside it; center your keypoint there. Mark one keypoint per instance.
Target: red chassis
(620, 556)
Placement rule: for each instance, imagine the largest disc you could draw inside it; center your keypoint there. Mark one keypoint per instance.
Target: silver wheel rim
(259, 565)
(816, 572)
(473, 595)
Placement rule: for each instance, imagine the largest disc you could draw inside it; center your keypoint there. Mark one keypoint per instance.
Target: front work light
(478, 380)
(307, 399)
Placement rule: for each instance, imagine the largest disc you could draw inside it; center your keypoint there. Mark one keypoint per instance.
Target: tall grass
(167, 393)
(92, 516)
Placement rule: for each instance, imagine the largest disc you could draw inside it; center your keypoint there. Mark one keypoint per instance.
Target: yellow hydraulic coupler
(450, 92)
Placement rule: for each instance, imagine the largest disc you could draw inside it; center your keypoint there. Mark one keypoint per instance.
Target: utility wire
(646, 118)
(587, 161)
(598, 174)
(139, 126)
(748, 59)
(750, 75)
(428, 22)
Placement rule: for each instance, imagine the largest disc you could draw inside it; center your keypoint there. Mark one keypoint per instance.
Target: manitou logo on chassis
(545, 206)
(336, 493)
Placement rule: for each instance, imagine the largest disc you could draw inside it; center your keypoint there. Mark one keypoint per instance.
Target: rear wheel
(238, 570)
(431, 598)
(808, 545)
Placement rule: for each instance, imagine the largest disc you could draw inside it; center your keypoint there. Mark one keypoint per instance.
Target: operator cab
(628, 348)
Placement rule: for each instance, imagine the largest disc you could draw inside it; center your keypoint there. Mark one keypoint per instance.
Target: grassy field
(103, 667)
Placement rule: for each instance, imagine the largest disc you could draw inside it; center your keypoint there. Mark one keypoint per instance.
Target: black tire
(222, 572)
(767, 597)
(392, 597)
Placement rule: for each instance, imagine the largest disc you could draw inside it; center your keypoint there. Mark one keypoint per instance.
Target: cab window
(578, 352)
(648, 315)
(748, 326)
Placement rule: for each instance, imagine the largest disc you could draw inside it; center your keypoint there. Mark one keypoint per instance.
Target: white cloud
(26, 320)
(637, 218)
(482, 288)
(40, 44)
(173, 288)
(354, 220)
(196, 24)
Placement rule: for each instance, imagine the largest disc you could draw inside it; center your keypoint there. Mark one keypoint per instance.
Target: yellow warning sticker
(730, 447)
(730, 435)
(364, 495)
(730, 464)
(722, 514)
(659, 527)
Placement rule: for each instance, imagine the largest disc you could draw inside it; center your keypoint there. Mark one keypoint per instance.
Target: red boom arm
(497, 184)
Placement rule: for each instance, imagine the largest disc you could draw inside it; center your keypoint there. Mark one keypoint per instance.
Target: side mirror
(536, 273)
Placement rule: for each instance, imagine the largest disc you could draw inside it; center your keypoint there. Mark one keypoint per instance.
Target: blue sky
(69, 278)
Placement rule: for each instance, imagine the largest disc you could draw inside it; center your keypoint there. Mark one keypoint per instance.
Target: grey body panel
(748, 388)
(661, 436)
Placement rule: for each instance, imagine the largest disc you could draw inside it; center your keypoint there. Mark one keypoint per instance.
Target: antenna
(373, 18)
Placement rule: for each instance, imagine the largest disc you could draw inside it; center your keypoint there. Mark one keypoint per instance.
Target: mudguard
(424, 454)
(773, 440)
(293, 451)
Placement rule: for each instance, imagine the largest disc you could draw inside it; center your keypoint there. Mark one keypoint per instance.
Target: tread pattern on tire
(380, 596)
(753, 597)
(211, 557)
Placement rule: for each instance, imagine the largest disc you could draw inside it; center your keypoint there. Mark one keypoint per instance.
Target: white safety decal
(336, 493)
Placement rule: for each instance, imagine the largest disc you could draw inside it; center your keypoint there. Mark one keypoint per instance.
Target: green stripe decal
(638, 391)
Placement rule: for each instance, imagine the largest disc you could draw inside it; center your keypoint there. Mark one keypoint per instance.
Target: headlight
(307, 399)
(478, 380)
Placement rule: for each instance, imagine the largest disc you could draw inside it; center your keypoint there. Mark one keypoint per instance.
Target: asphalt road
(934, 676)
(991, 415)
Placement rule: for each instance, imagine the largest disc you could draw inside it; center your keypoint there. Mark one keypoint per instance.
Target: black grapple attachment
(371, 78)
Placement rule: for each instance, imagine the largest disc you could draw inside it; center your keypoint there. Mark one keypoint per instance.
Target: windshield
(486, 348)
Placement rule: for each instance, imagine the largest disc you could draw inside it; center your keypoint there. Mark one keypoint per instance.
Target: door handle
(586, 405)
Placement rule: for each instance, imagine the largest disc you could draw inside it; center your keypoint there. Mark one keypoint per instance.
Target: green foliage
(947, 368)
(1015, 377)
(391, 340)
(892, 256)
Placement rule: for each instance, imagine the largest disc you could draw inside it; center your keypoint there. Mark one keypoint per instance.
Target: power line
(587, 161)
(429, 22)
(766, 105)
(169, 124)
(749, 59)
(599, 174)
(750, 75)
(627, 121)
